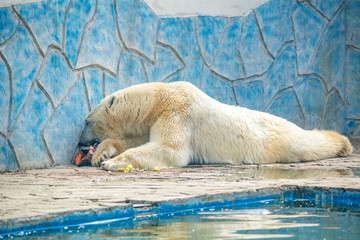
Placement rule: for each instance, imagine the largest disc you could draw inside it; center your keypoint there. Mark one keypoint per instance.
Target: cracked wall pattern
(296, 59)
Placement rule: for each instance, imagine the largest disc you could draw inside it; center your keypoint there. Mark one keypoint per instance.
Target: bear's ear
(113, 99)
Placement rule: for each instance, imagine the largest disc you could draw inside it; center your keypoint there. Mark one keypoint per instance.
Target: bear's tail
(344, 147)
(315, 145)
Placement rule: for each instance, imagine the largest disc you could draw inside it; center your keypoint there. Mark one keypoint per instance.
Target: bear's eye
(107, 110)
(112, 101)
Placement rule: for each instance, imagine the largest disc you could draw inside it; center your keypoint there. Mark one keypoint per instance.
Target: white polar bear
(175, 124)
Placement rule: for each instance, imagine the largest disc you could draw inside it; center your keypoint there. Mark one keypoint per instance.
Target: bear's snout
(87, 136)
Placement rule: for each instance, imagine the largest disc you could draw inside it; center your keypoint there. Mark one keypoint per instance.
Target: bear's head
(100, 123)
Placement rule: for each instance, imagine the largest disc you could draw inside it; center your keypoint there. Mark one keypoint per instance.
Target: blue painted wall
(297, 59)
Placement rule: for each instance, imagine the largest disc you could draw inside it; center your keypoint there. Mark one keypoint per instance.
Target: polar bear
(176, 124)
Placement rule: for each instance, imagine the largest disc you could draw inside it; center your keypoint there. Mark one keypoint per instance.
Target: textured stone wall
(297, 59)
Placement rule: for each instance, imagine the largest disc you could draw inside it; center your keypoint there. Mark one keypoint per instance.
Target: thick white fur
(175, 124)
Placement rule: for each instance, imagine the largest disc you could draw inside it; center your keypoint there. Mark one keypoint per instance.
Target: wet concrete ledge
(66, 194)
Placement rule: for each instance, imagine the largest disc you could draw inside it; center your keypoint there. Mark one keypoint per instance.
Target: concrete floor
(31, 194)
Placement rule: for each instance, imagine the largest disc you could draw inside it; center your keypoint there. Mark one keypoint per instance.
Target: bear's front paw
(103, 153)
(113, 165)
(120, 161)
(98, 159)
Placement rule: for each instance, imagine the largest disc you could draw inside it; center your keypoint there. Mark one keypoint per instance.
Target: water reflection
(279, 173)
(276, 223)
(267, 221)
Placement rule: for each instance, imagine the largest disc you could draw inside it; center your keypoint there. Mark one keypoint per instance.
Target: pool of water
(288, 215)
(279, 173)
